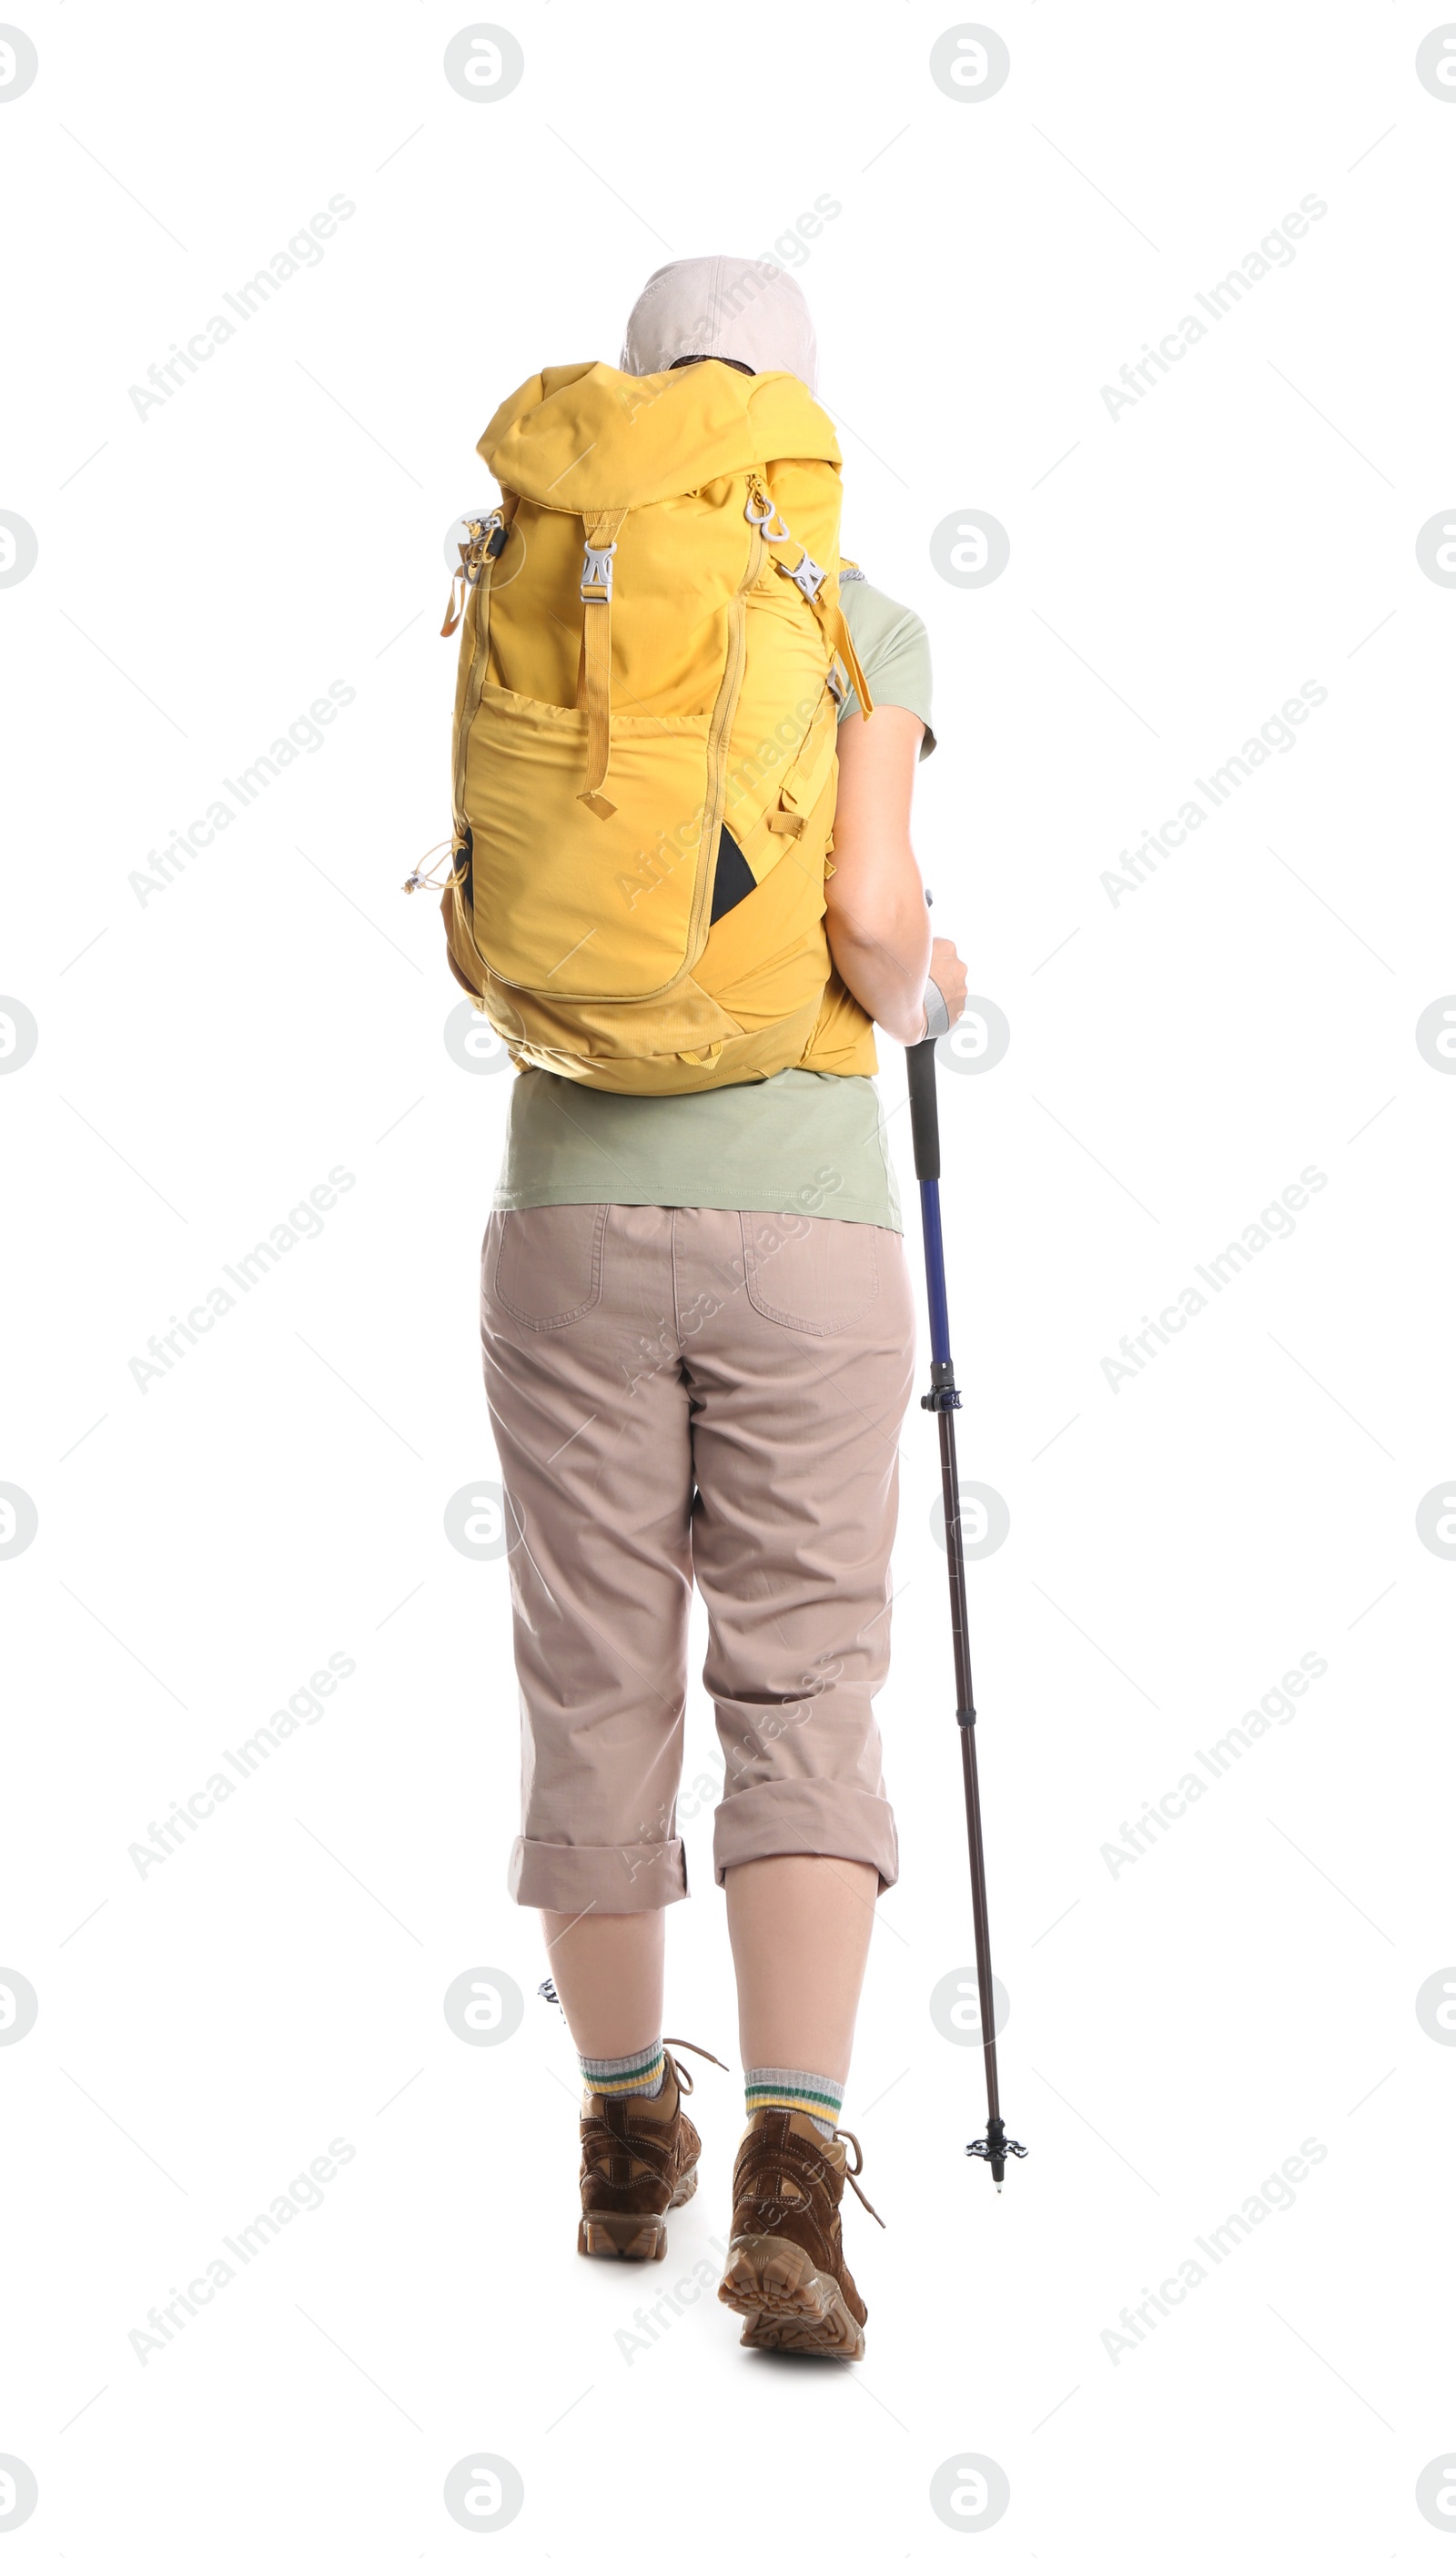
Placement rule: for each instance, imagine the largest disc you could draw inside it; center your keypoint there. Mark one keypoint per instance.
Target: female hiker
(697, 1319)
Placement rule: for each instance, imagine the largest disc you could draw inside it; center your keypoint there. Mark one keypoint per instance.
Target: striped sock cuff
(799, 2088)
(637, 2074)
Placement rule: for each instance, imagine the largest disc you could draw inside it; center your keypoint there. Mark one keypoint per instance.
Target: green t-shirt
(801, 1141)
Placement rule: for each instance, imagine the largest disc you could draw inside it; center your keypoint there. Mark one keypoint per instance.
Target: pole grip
(925, 1123)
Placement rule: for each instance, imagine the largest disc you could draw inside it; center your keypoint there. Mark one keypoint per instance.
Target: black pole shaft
(942, 1400)
(970, 1775)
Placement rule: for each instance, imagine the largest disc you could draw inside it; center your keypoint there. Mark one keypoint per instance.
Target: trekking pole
(943, 1400)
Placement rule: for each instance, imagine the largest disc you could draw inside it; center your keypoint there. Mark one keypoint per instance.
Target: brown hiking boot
(639, 2160)
(786, 2265)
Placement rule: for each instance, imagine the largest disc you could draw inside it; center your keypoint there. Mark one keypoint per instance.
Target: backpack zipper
(720, 729)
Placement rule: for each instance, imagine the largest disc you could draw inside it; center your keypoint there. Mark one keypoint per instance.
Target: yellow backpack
(652, 658)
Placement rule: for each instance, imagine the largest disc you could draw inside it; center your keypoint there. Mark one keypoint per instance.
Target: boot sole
(636, 2235)
(788, 2305)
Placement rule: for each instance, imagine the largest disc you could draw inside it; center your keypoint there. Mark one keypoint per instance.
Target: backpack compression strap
(594, 675)
(808, 577)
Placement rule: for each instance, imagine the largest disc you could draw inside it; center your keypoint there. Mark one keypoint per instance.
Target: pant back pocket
(813, 1274)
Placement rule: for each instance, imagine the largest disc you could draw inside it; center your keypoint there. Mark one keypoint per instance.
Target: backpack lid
(585, 437)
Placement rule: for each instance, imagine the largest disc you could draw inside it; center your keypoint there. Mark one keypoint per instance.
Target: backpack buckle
(596, 574)
(808, 577)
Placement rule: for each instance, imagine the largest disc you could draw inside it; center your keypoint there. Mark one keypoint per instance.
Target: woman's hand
(947, 968)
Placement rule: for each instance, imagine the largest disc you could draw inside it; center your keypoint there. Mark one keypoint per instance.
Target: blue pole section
(940, 1313)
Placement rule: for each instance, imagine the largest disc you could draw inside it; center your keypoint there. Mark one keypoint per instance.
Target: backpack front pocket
(570, 904)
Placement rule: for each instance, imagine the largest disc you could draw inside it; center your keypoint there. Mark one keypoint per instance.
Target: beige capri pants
(695, 1393)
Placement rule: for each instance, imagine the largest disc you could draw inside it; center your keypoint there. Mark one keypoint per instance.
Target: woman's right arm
(877, 922)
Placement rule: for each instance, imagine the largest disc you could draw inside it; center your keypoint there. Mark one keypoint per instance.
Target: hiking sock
(819, 2098)
(635, 2074)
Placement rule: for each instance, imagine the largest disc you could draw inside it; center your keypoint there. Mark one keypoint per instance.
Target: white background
(207, 1056)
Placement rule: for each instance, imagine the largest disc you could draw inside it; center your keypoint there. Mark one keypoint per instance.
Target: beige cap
(739, 307)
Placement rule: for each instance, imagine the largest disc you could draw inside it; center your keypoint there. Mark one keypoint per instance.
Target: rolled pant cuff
(602, 1880)
(802, 1816)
